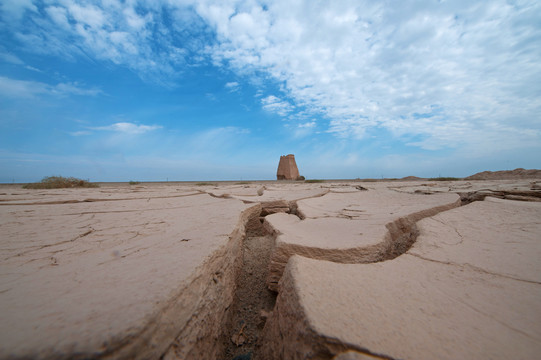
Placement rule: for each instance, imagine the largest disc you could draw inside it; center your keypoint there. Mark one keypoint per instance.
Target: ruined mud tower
(287, 168)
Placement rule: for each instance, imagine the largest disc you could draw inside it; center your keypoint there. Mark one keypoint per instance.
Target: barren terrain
(404, 269)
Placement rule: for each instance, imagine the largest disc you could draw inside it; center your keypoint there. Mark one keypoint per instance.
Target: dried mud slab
(358, 227)
(137, 277)
(495, 236)
(276, 192)
(469, 288)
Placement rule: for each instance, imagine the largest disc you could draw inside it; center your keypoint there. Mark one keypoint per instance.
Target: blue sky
(153, 90)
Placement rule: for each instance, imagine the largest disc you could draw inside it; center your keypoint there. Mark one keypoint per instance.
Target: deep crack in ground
(253, 301)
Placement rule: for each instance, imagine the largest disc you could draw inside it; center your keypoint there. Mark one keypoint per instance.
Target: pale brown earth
(122, 276)
(468, 288)
(507, 175)
(411, 178)
(351, 227)
(364, 270)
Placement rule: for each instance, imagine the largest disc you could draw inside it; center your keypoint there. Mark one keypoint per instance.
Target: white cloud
(27, 89)
(307, 125)
(451, 73)
(133, 20)
(10, 58)
(15, 9)
(128, 128)
(74, 89)
(152, 38)
(31, 68)
(59, 15)
(88, 15)
(304, 129)
(274, 104)
(232, 86)
(367, 65)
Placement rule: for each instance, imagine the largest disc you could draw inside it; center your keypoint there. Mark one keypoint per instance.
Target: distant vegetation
(243, 183)
(444, 179)
(59, 182)
(311, 181)
(134, 182)
(205, 184)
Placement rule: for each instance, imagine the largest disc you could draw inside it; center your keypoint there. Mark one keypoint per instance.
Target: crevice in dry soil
(253, 300)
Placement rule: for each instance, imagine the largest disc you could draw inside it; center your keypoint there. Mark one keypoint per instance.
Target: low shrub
(60, 182)
(442, 178)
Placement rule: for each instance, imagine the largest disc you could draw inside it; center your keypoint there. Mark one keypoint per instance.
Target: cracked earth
(271, 270)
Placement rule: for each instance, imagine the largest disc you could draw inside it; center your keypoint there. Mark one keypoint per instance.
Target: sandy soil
(180, 270)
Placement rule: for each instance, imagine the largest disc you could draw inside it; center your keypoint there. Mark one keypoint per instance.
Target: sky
(182, 90)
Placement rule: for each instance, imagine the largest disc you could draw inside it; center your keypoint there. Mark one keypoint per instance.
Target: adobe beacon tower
(287, 168)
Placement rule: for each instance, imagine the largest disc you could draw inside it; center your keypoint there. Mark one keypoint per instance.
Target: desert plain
(272, 270)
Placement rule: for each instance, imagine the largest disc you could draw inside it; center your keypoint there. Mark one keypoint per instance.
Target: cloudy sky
(112, 90)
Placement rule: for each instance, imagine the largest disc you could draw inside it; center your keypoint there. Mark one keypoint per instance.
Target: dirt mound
(506, 175)
(411, 178)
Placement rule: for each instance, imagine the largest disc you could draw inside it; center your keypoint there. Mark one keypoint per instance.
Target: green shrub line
(134, 182)
(442, 178)
(60, 182)
(311, 181)
(205, 184)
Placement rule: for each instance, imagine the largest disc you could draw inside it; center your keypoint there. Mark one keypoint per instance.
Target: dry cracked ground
(334, 270)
